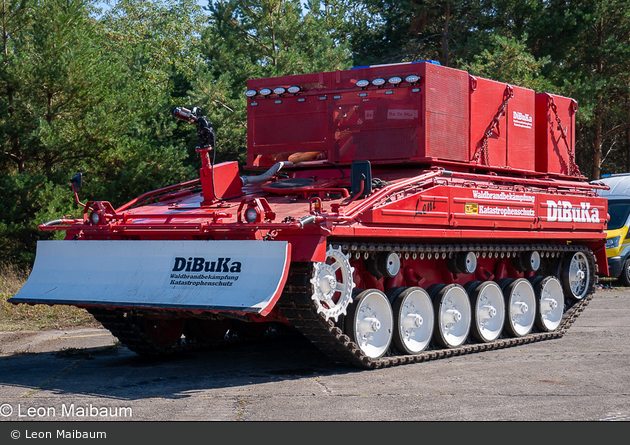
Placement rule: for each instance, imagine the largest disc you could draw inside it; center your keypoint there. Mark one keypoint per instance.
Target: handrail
(393, 188)
(156, 192)
(531, 181)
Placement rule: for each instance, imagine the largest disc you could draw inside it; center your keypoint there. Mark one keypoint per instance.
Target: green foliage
(576, 49)
(508, 60)
(249, 39)
(90, 90)
(79, 93)
(52, 80)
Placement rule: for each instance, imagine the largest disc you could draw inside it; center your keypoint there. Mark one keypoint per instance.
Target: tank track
(298, 307)
(124, 327)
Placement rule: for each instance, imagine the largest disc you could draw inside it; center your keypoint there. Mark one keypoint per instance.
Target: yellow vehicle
(617, 237)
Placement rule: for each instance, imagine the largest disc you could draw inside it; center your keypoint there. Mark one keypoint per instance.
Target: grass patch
(21, 317)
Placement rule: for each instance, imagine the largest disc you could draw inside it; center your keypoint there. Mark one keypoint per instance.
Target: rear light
(363, 83)
(95, 218)
(265, 92)
(251, 93)
(251, 215)
(315, 206)
(294, 89)
(255, 210)
(412, 78)
(395, 80)
(279, 91)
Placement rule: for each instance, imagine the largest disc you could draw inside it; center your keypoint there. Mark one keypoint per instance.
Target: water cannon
(186, 115)
(205, 131)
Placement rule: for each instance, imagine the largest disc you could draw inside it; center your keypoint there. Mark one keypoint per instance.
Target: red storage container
(511, 142)
(410, 121)
(280, 125)
(555, 153)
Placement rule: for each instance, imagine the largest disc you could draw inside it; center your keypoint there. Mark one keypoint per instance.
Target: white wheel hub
(453, 315)
(550, 303)
(370, 322)
(410, 321)
(450, 316)
(519, 308)
(520, 302)
(488, 311)
(579, 275)
(414, 320)
(333, 284)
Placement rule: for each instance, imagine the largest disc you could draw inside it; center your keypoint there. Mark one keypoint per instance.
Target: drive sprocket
(332, 284)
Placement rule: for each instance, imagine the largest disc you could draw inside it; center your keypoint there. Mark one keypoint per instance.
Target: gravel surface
(84, 375)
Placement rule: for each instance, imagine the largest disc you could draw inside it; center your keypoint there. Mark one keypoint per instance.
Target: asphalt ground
(82, 374)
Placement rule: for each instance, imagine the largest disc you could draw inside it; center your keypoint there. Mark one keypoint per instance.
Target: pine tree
(54, 98)
(260, 38)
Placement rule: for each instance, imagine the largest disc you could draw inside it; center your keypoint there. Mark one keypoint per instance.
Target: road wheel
(549, 303)
(452, 314)
(577, 275)
(370, 322)
(414, 316)
(488, 311)
(520, 307)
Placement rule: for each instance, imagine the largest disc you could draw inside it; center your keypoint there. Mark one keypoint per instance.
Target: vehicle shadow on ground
(118, 373)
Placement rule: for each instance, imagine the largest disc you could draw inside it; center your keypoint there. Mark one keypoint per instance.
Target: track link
(125, 327)
(297, 306)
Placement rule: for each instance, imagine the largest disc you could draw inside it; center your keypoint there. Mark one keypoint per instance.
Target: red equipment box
(400, 120)
(393, 117)
(411, 122)
(512, 137)
(555, 134)
(220, 182)
(278, 125)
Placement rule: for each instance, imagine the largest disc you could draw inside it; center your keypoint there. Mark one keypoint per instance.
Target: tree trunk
(599, 110)
(597, 142)
(5, 36)
(445, 54)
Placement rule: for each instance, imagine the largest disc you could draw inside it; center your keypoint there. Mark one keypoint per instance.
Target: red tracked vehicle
(404, 212)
